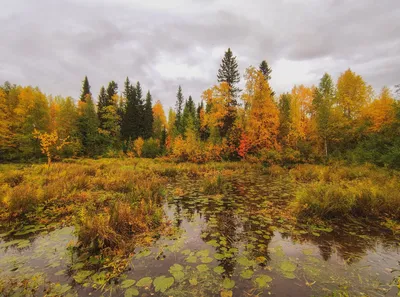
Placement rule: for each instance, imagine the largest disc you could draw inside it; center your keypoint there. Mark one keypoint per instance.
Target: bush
(23, 199)
(151, 148)
(305, 173)
(275, 170)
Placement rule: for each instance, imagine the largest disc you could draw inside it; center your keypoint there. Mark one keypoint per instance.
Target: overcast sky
(53, 44)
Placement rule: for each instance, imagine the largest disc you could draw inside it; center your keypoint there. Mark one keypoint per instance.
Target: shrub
(23, 198)
(94, 231)
(151, 148)
(275, 170)
(14, 178)
(305, 173)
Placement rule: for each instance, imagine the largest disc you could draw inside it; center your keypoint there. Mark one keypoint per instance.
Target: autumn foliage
(342, 119)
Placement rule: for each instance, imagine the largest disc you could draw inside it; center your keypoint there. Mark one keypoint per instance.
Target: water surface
(240, 243)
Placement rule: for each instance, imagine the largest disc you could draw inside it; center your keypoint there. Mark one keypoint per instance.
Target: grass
(338, 191)
(214, 184)
(115, 201)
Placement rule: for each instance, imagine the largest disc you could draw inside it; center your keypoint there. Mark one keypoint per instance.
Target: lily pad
(191, 259)
(288, 266)
(144, 253)
(202, 268)
(127, 283)
(131, 292)
(60, 290)
(206, 259)
(263, 280)
(177, 272)
(244, 261)
(228, 283)
(82, 275)
(162, 283)
(213, 243)
(144, 282)
(203, 253)
(247, 274)
(219, 269)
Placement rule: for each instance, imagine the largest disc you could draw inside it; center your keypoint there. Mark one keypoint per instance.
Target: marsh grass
(215, 184)
(338, 191)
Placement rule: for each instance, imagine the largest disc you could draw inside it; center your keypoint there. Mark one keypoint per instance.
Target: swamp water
(240, 243)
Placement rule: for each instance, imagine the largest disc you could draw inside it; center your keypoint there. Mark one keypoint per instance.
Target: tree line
(343, 119)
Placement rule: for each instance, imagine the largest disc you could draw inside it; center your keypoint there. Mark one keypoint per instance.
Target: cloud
(54, 44)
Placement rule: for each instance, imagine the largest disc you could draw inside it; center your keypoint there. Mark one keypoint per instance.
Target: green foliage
(85, 90)
(151, 148)
(179, 112)
(88, 127)
(344, 192)
(148, 117)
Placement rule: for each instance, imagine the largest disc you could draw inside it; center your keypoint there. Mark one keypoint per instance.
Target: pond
(242, 242)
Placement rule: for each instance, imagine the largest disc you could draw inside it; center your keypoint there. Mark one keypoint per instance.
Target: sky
(164, 44)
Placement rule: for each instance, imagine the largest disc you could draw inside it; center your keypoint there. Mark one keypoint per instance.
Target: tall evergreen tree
(229, 73)
(130, 118)
(106, 100)
(266, 71)
(178, 111)
(101, 102)
(85, 89)
(148, 117)
(112, 90)
(88, 125)
(189, 115)
(140, 110)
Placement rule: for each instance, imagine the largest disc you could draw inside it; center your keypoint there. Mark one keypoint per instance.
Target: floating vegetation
(167, 237)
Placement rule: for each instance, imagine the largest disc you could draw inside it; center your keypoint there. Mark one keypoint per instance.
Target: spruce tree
(105, 100)
(266, 71)
(112, 90)
(189, 114)
(229, 73)
(140, 110)
(88, 125)
(148, 117)
(178, 110)
(130, 121)
(101, 102)
(85, 89)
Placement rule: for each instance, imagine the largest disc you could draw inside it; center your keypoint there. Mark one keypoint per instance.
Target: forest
(242, 192)
(343, 120)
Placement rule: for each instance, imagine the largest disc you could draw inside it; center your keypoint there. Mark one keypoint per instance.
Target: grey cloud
(53, 44)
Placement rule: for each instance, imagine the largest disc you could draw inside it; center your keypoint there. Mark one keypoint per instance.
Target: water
(241, 243)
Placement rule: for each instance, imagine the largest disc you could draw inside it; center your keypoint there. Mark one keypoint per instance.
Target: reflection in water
(245, 235)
